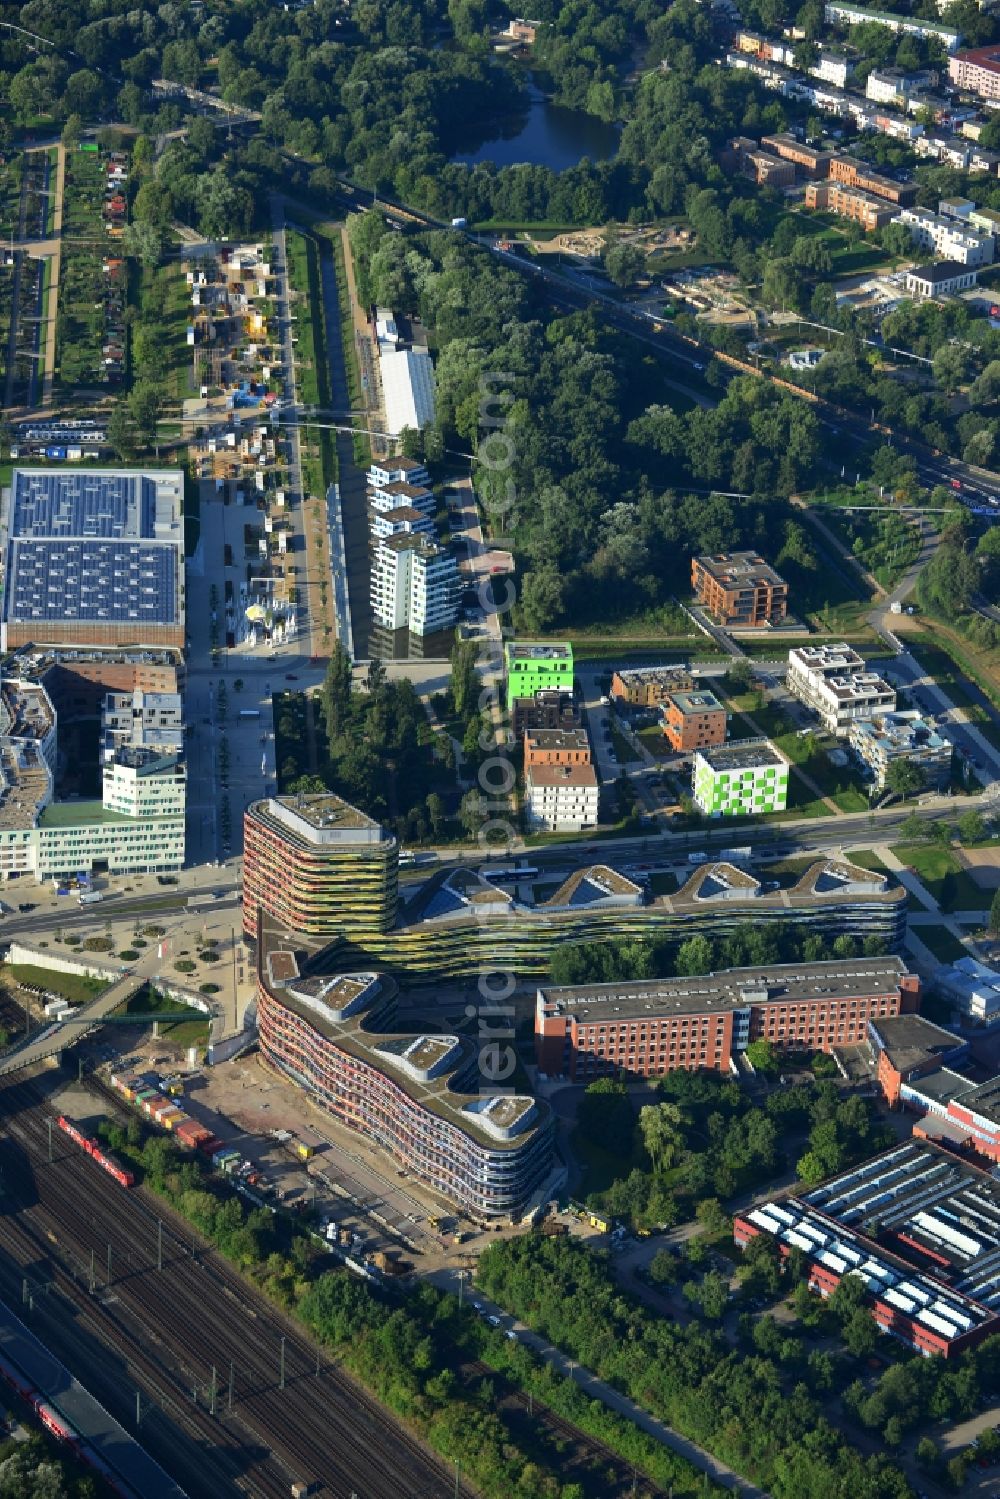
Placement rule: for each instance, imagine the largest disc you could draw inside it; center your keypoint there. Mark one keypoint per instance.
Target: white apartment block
(397, 471)
(950, 239)
(893, 85)
(391, 496)
(839, 12)
(414, 585)
(833, 681)
(563, 798)
(142, 720)
(137, 826)
(143, 783)
(404, 520)
(832, 67)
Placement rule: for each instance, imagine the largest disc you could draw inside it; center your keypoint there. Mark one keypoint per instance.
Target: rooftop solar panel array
(92, 580)
(94, 546)
(52, 505)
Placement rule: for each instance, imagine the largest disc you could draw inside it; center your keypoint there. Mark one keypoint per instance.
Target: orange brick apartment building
(556, 747)
(644, 1029)
(691, 720)
(740, 589)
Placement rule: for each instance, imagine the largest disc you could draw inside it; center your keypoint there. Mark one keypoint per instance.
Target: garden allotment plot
(90, 334)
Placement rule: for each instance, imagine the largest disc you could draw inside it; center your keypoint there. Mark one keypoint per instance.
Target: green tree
(624, 263)
(762, 1057)
(121, 431)
(662, 1128)
(905, 778)
(436, 813)
(995, 914)
(604, 1116)
(145, 405)
(694, 956)
(664, 1269)
(972, 827)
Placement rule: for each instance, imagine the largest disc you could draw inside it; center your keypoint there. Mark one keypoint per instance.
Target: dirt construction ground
(983, 865)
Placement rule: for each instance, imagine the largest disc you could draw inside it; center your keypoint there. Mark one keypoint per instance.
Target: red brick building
(691, 720)
(918, 1227)
(644, 1029)
(740, 588)
(556, 747)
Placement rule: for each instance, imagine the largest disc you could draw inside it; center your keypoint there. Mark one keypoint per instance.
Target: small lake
(546, 135)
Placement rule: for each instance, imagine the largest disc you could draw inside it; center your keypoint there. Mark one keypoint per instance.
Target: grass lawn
(76, 987)
(788, 871)
(941, 942)
(807, 754)
(633, 650)
(654, 739)
(886, 544)
(663, 883)
(666, 621)
(621, 746)
(866, 858)
(191, 1028)
(953, 661)
(938, 869)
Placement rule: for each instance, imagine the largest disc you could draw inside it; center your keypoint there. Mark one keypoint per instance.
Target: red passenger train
(122, 1175)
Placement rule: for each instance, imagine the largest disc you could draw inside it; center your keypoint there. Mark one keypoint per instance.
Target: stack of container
(146, 1092)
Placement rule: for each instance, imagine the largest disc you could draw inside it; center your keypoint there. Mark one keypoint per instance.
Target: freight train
(64, 1431)
(122, 1175)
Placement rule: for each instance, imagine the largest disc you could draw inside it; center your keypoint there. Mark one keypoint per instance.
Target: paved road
(54, 1035)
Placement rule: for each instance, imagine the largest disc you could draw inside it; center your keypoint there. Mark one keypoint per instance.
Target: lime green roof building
(740, 779)
(538, 667)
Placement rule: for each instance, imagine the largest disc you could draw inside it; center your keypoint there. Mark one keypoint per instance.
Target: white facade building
(563, 798)
(833, 681)
(414, 585)
(143, 720)
(951, 239)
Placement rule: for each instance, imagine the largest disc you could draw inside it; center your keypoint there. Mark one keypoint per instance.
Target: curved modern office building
(319, 866)
(421, 1097)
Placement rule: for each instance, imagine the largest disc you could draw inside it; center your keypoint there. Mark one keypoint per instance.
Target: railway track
(205, 1459)
(590, 1446)
(204, 1316)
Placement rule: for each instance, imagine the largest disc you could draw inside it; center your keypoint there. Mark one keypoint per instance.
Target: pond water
(546, 135)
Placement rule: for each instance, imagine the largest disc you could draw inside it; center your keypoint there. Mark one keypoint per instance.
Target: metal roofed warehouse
(94, 557)
(918, 1226)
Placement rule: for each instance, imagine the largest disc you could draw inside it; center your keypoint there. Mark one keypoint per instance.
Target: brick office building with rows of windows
(647, 1028)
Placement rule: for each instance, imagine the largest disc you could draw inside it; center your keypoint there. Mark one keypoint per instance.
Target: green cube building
(740, 779)
(533, 667)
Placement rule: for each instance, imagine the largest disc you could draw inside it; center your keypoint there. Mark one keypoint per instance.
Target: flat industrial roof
(731, 569)
(742, 754)
(730, 989)
(326, 811)
(528, 650)
(909, 1040)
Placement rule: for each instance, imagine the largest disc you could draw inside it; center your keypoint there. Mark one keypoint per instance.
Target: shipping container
(210, 1146)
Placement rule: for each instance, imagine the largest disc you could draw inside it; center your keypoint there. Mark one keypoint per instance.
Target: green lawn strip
(355, 390)
(946, 661)
(633, 649)
(941, 942)
(76, 987)
(866, 858)
(653, 737)
(190, 1029)
(942, 875)
(621, 746)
